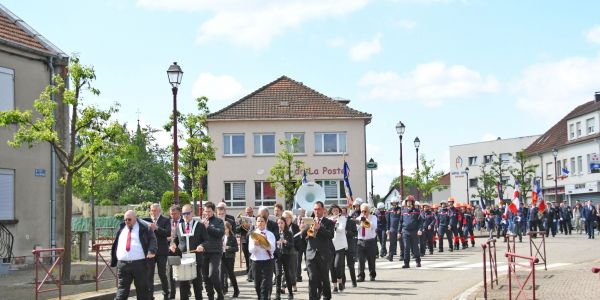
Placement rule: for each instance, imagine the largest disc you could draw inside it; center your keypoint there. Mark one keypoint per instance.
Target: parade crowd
(274, 246)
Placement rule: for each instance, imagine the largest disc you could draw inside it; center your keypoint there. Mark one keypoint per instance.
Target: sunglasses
(186, 213)
(129, 219)
(364, 210)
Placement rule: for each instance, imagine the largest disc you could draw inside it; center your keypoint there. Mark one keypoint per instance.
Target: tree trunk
(67, 222)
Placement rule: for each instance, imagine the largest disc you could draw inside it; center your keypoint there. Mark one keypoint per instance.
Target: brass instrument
(311, 231)
(244, 222)
(365, 223)
(260, 239)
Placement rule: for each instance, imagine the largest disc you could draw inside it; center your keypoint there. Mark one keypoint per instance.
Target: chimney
(342, 100)
(597, 96)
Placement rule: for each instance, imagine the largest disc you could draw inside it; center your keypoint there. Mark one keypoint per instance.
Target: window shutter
(239, 191)
(7, 194)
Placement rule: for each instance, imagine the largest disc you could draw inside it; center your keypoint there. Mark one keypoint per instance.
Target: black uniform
(427, 228)
(351, 238)
(382, 231)
(444, 221)
(394, 215)
(411, 224)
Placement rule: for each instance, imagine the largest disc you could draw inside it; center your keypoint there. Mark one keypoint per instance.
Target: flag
(541, 203)
(515, 204)
(304, 180)
(499, 190)
(482, 204)
(564, 173)
(347, 187)
(535, 192)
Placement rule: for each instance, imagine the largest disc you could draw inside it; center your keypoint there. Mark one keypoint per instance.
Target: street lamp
(555, 154)
(467, 173)
(400, 130)
(371, 162)
(174, 74)
(417, 144)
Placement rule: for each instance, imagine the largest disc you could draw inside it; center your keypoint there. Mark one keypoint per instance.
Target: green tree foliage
(283, 173)
(168, 199)
(486, 185)
(91, 133)
(524, 172)
(426, 179)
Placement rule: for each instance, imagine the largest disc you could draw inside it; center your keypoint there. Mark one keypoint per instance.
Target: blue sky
(453, 71)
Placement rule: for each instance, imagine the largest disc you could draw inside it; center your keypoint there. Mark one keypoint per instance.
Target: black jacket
(215, 230)
(320, 244)
(163, 230)
(287, 247)
(233, 246)
(299, 244)
(231, 220)
(147, 238)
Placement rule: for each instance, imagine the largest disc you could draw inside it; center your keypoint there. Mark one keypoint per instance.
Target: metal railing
(104, 234)
(54, 255)
(540, 249)
(595, 270)
(6, 244)
(512, 272)
(489, 254)
(99, 248)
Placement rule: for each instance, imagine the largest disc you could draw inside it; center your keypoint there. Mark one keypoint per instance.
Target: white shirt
(135, 251)
(259, 253)
(370, 233)
(225, 243)
(339, 235)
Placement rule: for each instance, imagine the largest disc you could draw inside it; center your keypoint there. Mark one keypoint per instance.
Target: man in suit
(318, 253)
(197, 235)
(175, 221)
(589, 215)
(160, 225)
(243, 230)
(129, 252)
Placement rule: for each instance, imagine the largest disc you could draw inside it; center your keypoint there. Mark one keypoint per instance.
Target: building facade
(246, 136)
(575, 174)
(28, 177)
(475, 155)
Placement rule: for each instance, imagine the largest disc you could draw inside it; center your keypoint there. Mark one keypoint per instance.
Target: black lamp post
(467, 173)
(175, 74)
(417, 144)
(400, 130)
(371, 161)
(555, 154)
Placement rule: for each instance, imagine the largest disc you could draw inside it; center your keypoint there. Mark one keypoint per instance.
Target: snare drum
(186, 271)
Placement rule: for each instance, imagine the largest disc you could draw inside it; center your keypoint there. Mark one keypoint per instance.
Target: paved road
(445, 275)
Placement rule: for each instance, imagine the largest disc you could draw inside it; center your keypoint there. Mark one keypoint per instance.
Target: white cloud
(373, 150)
(365, 49)
(406, 24)
(336, 42)
(255, 23)
(551, 90)
(215, 87)
(593, 35)
(489, 137)
(430, 83)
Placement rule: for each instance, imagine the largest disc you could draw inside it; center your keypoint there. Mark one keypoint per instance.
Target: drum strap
(187, 236)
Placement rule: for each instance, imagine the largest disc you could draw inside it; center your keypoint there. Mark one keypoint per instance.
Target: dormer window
(571, 131)
(590, 125)
(578, 128)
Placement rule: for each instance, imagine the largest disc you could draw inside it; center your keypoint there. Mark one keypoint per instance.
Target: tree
(426, 179)
(410, 185)
(486, 185)
(90, 133)
(498, 169)
(283, 173)
(524, 172)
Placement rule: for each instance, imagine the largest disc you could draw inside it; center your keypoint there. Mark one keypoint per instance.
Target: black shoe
(418, 265)
(290, 296)
(390, 258)
(236, 294)
(172, 296)
(431, 252)
(299, 279)
(360, 280)
(353, 284)
(372, 278)
(405, 266)
(335, 289)
(440, 250)
(249, 280)
(450, 249)
(342, 287)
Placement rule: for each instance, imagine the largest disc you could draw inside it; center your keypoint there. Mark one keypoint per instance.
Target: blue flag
(304, 180)
(346, 181)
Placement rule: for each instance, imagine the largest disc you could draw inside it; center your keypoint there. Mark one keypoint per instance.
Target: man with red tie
(134, 242)
(367, 242)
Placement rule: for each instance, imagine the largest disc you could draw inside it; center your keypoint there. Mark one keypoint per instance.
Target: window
(571, 131)
(233, 144)
(7, 89)
(473, 161)
(7, 194)
(264, 194)
(578, 128)
(564, 165)
(580, 164)
(590, 125)
(559, 167)
(573, 169)
(299, 147)
(505, 180)
(473, 182)
(487, 159)
(330, 142)
(235, 194)
(334, 191)
(505, 157)
(549, 171)
(264, 143)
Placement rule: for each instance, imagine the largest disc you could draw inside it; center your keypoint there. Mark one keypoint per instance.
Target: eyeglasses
(364, 210)
(128, 219)
(185, 213)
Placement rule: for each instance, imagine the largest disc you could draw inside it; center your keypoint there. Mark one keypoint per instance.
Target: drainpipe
(52, 172)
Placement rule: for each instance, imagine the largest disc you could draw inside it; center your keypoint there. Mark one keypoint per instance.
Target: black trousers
(443, 230)
(535, 225)
(338, 265)
(427, 241)
(284, 270)
(136, 272)
(350, 260)
(566, 226)
(299, 265)
(411, 244)
(394, 242)
(263, 277)
(227, 266)
(382, 237)
(184, 286)
(211, 272)
(247, 260)
(318, 276)
(161, 262)
(367, 251)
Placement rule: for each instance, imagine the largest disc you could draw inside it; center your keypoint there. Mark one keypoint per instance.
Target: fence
(490, 246)
(540, 249)
(512, 271)
(99, 248)
(56, 255)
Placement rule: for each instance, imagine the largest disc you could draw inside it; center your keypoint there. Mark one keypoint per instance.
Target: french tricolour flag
(541, 203)
(482, 204)
(515, 204)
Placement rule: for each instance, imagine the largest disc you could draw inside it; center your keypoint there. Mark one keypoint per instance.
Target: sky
(453, 72)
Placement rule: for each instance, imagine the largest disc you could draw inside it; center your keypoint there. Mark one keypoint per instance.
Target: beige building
(246, 135)
(28, 197)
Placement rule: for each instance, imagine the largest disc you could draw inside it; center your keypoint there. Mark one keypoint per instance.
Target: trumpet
(365, 223)
(311, 231)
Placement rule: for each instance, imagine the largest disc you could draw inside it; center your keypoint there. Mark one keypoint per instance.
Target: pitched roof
(16, 33)
(286, 98)
(557, 137)
(445, 179)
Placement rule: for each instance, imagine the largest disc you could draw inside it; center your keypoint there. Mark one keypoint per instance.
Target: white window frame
(573, 170)
(571, 131)
(301, 137)
(487, 159)
(502, 157)
(472, 160)
(549, 171)
(339, 199)
(578, 129)
(234, 202)
(471, 180)
(7, 194)
(580, 164)
(258, 202)
(261, 150)
(10, 102)
(321, 136)
(590, 125)
(228, 138)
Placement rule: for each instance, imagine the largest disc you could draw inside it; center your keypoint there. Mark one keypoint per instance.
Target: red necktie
(187, 228)
(128, 245)
(364, 231)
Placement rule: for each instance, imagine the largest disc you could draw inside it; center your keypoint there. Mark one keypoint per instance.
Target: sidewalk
(570, 282)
